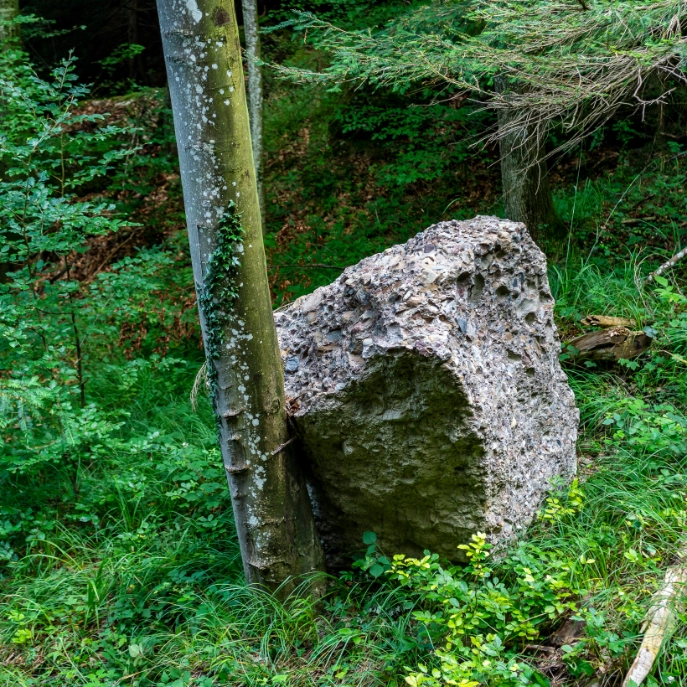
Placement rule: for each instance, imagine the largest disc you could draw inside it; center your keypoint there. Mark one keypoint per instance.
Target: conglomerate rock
(427, 393)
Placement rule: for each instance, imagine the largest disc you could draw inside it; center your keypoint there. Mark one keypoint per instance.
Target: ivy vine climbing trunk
(527, 194)
(251, 27)
(271, 505)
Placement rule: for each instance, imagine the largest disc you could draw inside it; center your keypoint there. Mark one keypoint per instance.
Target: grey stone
(291, 365)
(427, 393)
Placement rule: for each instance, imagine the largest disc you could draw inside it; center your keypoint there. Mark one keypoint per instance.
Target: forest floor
(120, 566)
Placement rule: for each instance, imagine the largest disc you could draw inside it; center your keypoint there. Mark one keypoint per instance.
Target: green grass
(135, 571)
(126, 571)
(119, 563)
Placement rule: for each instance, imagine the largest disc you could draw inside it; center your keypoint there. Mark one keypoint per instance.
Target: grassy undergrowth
(124, 569)
(118, 558)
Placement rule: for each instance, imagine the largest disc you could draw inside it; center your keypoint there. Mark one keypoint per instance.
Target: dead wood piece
(660, 620)
(606, 321)
(570, 632)
(668, 264)
(610, 345)
(637, 220)
(281, 447)
(540, 648)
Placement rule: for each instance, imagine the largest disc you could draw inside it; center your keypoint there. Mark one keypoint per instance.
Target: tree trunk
(527, 195)
(251, 27)
(132, 33)
(271, 505)
(9, 10)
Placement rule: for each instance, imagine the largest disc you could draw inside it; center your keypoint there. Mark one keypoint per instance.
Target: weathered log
(660, 621)
(606, 321)
(610, 345)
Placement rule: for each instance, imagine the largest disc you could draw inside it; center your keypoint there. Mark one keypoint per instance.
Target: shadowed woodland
(121, 559)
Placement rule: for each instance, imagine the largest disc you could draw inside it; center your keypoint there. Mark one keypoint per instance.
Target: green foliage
(43, 225)
(124, 52)
(56, 331)
(118, 559)
(434, 140)
(350, 13)
(219, 291)
(360, 177)
(479, 617)
(580, 561)
(657, 429)
(575, 65)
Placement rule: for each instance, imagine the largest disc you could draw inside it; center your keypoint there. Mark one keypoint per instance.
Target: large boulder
(426, 389)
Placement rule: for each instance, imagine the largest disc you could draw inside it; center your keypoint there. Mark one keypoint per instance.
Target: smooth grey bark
(271, 505)
(527, 194)
(251, 27)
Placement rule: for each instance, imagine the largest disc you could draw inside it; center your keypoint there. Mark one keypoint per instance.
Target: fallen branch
(660, 620)
(667, 265)
(637, 220)
(281, 447)
(540, 648)
(606, 321)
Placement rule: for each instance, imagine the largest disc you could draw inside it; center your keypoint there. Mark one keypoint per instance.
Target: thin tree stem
(251, 28)
(77, 343)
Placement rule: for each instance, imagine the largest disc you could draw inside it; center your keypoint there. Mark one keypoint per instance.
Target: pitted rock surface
(427, 392)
